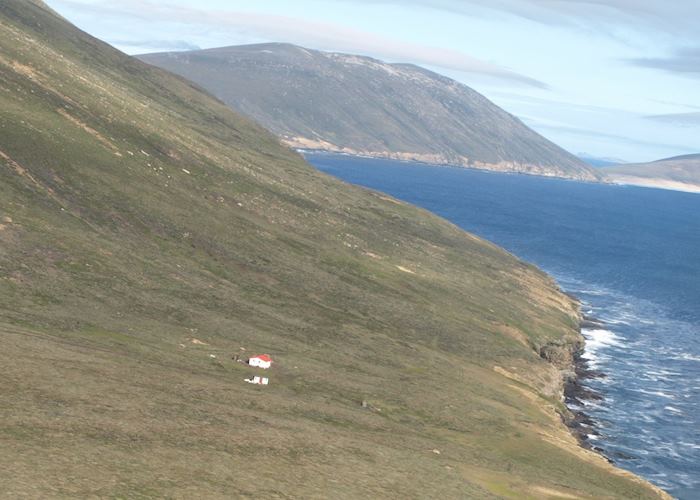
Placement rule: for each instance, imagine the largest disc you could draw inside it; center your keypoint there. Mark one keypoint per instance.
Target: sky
(613, 79)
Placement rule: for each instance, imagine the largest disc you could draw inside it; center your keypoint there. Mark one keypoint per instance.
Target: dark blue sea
(632, 255)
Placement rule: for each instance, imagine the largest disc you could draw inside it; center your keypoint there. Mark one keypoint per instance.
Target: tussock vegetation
(139, 213)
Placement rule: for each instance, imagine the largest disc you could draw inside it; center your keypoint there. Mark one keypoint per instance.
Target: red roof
(263, 357)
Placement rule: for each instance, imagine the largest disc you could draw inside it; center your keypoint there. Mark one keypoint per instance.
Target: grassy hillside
(680, 172)
(359, 105)
(148, 234)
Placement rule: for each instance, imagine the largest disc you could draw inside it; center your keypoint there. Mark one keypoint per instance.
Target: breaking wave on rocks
(648, 417)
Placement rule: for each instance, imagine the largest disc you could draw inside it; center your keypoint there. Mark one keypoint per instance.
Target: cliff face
(359, 105)
(149, 235)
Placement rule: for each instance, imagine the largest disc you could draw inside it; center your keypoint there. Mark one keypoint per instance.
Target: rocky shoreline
(305, 146)
(576, 394)
(575, 370)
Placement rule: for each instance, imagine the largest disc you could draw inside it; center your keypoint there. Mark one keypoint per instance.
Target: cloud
(683, 119)
(157, 44)
(674, 18)
(677, 104)
(596, 134)
(318, 35)
(589, 109)
(685, 61)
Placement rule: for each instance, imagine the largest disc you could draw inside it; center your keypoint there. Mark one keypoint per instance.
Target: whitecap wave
(594, 292)
(615, 321)
(597, 339)
(686, 357)
(656, 393)
(600, 337)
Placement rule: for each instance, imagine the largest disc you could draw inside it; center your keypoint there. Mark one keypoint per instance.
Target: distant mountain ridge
(680, 158)
(360, 105)
(679, 173)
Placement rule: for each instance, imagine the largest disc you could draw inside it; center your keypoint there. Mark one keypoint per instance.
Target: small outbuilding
(261, 361)
(258, 380)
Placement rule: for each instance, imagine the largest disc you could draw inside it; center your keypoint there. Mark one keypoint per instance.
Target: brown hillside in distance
(359, 105)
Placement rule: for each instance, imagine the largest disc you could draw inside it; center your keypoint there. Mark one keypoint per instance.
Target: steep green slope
(147, 234)
(359, 105)
(680, 172)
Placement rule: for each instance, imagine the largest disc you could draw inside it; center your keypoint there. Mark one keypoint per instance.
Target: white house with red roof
(261, 361)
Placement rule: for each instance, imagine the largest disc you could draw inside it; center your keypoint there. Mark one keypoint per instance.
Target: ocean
(631, 255)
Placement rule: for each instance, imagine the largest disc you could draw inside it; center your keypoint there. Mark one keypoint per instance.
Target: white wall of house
(259, 363)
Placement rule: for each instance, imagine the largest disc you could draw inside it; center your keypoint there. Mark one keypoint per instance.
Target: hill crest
(359, 105)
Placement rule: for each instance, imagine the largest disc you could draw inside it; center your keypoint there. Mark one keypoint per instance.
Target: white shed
(258, 380)
(261, 361)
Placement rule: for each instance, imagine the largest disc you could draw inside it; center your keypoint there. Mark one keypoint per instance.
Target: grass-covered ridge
(137, 213)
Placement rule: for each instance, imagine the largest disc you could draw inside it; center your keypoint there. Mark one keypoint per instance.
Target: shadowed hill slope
(680, 172)
(148, 234)
(359, 105)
